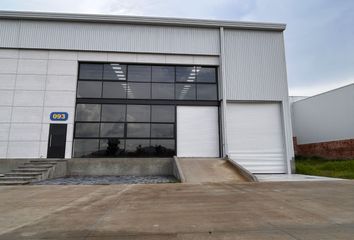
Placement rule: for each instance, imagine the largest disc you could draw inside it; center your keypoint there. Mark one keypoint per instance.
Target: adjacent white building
(323, 124)
(74, 85)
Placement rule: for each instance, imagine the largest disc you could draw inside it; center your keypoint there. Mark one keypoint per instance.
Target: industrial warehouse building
(323, 124)
(95, 86)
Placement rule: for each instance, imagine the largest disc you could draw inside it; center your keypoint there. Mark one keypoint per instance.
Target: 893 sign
(59, 116)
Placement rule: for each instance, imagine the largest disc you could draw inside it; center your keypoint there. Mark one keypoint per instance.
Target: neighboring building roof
(323, 93)
(47, 16)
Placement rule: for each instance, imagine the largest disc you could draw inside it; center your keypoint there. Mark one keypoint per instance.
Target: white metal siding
(109, 37)
(255, 65)
(197, 131)
(9, 32)
(325, 117)
(255, 134)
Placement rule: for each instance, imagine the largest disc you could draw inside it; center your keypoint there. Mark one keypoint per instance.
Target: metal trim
(100, 18)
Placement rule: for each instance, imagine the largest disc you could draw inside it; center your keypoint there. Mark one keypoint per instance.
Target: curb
(243, 171)
(178, 170)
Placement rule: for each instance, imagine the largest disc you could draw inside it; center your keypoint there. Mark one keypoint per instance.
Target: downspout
(223, 93)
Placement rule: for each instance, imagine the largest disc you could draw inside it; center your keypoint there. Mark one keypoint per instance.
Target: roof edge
(141, 20)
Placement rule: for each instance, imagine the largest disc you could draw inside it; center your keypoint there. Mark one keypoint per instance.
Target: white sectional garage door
(197, 131)
(255, 136)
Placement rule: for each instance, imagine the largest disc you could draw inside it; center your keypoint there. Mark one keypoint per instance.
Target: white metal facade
(325, 117)
(250, 57)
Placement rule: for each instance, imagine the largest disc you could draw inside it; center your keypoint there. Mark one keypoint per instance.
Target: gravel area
(107, 180)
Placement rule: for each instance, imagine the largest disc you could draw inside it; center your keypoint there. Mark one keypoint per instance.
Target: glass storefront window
(128, 110)
(88, 112)
(115, 71)
(163, 74)
(91, 71)
(89, 89)
(139, 73)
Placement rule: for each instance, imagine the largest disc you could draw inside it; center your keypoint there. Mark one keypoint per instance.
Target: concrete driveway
(287, 210)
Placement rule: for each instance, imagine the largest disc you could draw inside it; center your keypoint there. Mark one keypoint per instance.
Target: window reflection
(88, 112)
(139, 73)
(89, 89)
(112, 147)
(186, 74)
(206, 74)
(113, 112)
(163, 91)
(206, 92)
(138, 113)
(163, 74)
(112, 130)
(162, 113)
(185, 91)
(91, 71)
(162, 130)
(114, 90)
(87, 129)
(138, 130)
(115, 71)
(85, 147)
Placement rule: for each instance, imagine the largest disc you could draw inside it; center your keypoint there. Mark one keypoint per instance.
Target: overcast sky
(319, 37)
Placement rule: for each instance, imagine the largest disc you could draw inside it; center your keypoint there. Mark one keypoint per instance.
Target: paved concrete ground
(286, 210)
(203, 170)
(292, 178)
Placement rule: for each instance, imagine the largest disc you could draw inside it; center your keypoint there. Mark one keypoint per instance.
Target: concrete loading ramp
(202, 170)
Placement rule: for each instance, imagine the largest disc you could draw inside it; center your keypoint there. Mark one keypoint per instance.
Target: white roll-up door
(197, 131)
(255, 136)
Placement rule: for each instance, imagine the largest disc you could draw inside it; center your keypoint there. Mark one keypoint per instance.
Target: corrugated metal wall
(325, 117)
(255, 65)
(9, 32)
(108, 37)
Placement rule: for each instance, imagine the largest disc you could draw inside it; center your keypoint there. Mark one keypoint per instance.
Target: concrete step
(37, 166)
(12, 183)
(30, 170)
(42, 162)
(23, 174)
(23, 178)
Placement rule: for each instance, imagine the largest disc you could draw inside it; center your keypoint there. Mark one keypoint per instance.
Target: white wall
(325, 117)
(34, 83)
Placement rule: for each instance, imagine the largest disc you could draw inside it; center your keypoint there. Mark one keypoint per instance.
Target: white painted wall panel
(32, 66)
(5, 114)
(255, 65)
(108, 37)
(197, 131)
(4, 131)
(325, 117)
(7, 81)
(27, 114)
(25, 132)
(3, 149)
(30, 82)
(6, 97)
(23, 149)
(22, 95)
(255, 136)
(28, 98)
(9, 53)
(8, 65)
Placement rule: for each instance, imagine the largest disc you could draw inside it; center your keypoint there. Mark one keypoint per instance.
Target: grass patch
(323, 167)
